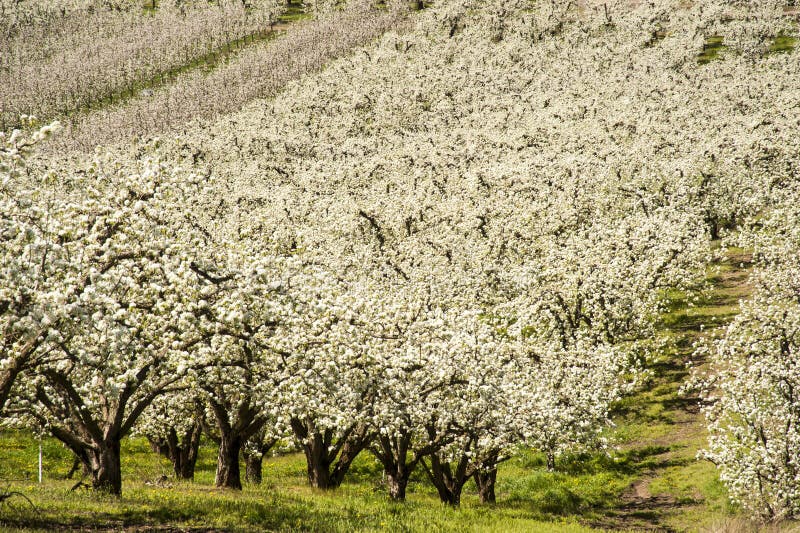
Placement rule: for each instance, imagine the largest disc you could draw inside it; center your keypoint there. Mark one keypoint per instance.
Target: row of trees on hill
(257, 69)
(122, 312)
(92, 56)
(752, 386)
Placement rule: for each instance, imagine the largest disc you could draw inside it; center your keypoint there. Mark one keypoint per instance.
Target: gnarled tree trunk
(234, 427)
(328, 461)
(318, 470)
(485, 481)
(448, 479)
(105, 467)
(228, 472)
(393, 454)
(397, 482)
(183, 456)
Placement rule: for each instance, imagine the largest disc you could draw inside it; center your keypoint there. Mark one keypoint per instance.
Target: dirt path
(669, 492)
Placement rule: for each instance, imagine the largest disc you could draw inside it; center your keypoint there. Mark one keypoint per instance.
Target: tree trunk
(713, 227)
(449, 481)
(76, 465)
(105, 467)
(184, 463)
(254, 452)
(450, 495)
(232, 435)
(392, 452)
(318, 469)
(328, 462)
(315, 447)
(485, 481)
(253, 468)
(350, 451)
(182, 456)
(396, 483)
(228, 473)
(551, 462)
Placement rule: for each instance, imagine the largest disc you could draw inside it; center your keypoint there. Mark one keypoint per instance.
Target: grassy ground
(711, 49)
(715, 45)
(532, 499)
(675, 490)
(651, 481)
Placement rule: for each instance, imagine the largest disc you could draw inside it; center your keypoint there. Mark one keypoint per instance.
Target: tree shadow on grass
(242, 515)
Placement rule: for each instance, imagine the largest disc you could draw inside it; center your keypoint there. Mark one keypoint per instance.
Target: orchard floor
(650, 481)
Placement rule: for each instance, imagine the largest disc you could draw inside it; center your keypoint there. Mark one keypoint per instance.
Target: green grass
(711, 49)
(530, 498)
(149, 7)
(294, 12)
(533, 500)
(715, 45)
(783, 43)
(664, 426)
